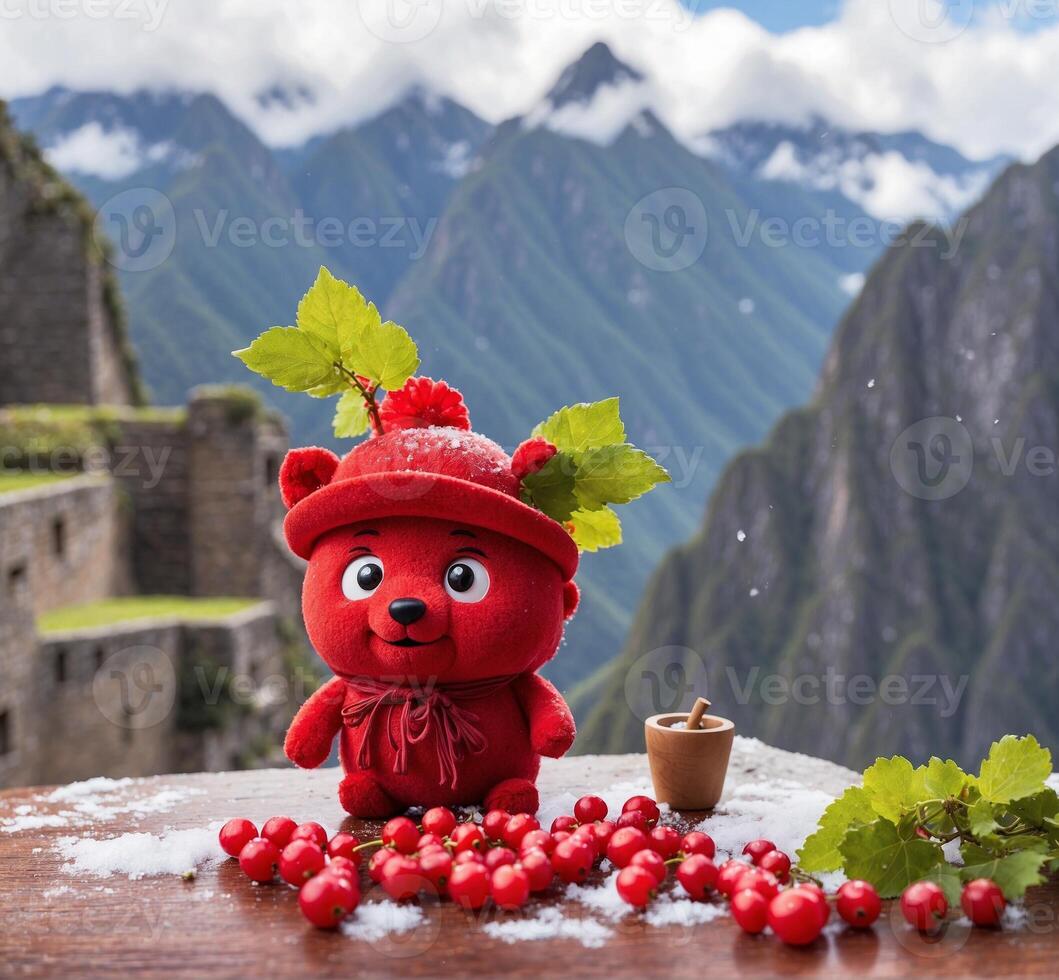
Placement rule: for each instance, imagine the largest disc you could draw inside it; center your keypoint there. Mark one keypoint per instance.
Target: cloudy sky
(980, 74)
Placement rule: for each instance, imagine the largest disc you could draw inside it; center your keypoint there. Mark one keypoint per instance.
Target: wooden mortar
(688, 765)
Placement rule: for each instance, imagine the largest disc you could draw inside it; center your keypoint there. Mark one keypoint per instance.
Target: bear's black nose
(407, 611)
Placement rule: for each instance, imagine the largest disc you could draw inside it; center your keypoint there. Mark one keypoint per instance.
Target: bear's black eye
(369, 576)
(460, 577)
(467, 580)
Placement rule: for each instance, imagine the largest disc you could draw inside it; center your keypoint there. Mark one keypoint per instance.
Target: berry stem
(367, 393)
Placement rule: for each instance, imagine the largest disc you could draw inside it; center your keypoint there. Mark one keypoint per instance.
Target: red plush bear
(434, 594)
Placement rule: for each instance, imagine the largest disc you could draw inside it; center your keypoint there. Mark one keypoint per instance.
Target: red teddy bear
(434, 594)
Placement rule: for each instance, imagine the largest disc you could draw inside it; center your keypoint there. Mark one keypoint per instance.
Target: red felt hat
(443, 471)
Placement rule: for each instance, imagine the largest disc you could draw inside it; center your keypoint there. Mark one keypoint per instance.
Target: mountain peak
(597, 67)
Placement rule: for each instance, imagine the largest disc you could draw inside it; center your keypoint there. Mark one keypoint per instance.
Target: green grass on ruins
(11, 481)
(120, 610)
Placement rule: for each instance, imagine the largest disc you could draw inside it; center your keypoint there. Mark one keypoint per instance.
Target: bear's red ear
(305, 471)
(571, 597)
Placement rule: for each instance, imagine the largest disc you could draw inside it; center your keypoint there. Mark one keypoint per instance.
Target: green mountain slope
(840, 612)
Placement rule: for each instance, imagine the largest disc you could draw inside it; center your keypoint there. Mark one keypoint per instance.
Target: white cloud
(111, 154)
(603, 118)
(989, 87)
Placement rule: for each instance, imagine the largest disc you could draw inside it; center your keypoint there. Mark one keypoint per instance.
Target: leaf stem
(367, 393)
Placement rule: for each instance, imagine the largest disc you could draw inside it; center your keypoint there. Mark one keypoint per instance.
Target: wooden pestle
(698, 709)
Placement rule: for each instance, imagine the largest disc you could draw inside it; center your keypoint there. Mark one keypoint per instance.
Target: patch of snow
(374, 920)
(457, 160)
(138, 855)
(550, 923)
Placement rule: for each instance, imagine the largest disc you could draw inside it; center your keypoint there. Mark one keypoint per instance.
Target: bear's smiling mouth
(406, 642)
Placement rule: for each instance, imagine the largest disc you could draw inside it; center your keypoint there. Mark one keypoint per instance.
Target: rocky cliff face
(861, 588)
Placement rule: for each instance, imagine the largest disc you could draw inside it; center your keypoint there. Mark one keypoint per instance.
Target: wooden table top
(220, 924)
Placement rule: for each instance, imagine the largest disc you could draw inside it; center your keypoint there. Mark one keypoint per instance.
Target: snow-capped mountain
(893, 176)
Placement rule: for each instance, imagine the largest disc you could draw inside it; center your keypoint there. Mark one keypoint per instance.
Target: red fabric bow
(432, 709)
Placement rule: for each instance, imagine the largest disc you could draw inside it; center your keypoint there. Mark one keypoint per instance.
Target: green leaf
(1036, 810)
(820, 851)
(1015, 767)
(877, 853)
(615, 475)
(289, 359)
(894, 787)
(981, 816)
(551, 488)
(329, 303)
(351, 416)
(943, 779)
(596, 529)
(1014, 873)
(948, 878)
(584, 426)
(382, 352)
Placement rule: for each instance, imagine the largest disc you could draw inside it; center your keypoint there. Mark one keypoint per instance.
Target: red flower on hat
(531, 456)
(424, 402)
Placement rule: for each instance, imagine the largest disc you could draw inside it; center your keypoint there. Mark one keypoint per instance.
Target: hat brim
(411, 493)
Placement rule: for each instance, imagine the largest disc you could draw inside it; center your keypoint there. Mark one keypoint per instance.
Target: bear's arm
(551, 725)
(309, 738)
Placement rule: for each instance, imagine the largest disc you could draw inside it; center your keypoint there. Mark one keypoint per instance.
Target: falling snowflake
(753, 592)
(871, 384)
(740, 535)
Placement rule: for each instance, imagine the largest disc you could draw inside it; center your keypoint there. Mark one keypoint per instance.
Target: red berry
(757, 880)
(624, 843)
(794, 916)
(400, 833)
(235, 835)
(469, 885)
(429, 840)
(344, 845)
(604, 830)
(436, 866)
(377, 861)
(517, 827)
(310, 831)
(750, 910)
(637, 885)
(645, 805)
(587, 833)
(728, 874)
(572, 859)
(698, 874)
(651, 861)
(327, 899)
(496, 857)
(757, 849)
(823, 907)
(565, 822)
(509, 886)
(494, 823)
(468, 837)
(982, 901)
(259, 858)
(278, 830)
(778, 864)
(299, 861)
(439, 820)
(401, 877)
(343, 866)
(923, 905)
(698, 843)
(539, 869)
(634, 818)
(588, 809)
(531, 456)
(539, 839)
(468, 857)
(858, 903)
